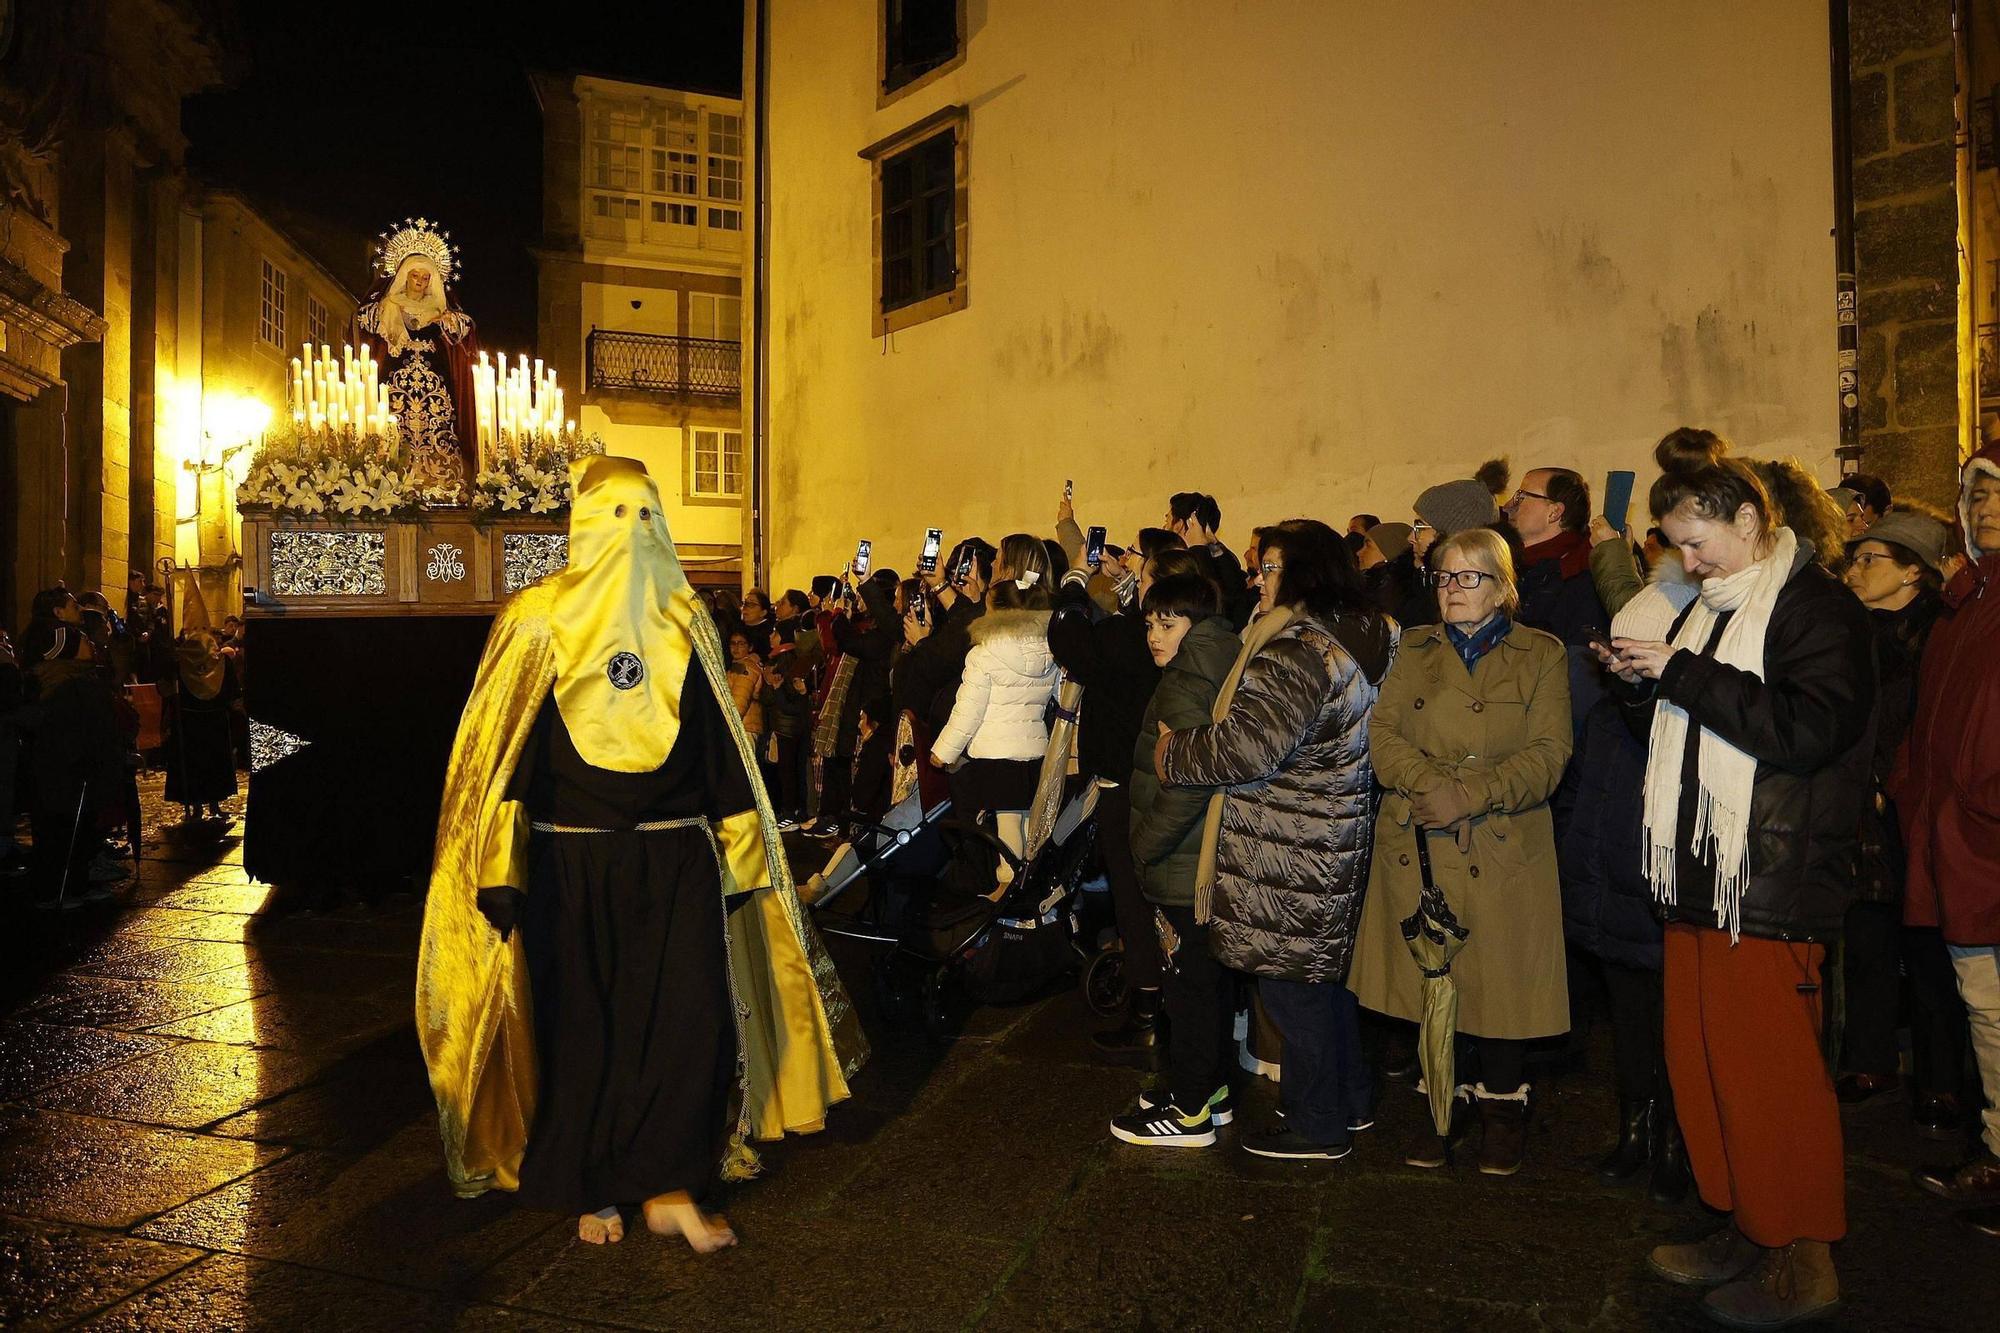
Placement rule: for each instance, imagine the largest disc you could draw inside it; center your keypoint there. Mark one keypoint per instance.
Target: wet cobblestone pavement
(213, 1116)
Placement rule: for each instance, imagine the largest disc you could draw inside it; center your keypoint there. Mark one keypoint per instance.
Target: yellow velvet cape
(800, 1040)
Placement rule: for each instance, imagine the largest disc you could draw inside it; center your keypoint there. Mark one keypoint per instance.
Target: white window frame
(715, 312)
(272, 313)
(663, 174)
(722, 451)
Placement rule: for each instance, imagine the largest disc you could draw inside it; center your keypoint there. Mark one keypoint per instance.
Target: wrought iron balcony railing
(664, 364)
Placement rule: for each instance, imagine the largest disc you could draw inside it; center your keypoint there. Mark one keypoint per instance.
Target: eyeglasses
(1532, 495)
(1469, 579)
(1867, 559)
(1271, 567)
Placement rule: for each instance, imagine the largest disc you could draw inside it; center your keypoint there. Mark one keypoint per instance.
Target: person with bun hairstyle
(1758, 704)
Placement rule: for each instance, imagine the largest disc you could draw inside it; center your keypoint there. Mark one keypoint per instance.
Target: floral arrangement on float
(330, 473)
(528, 476)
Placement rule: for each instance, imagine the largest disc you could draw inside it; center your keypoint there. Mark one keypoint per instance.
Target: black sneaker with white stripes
(1165, 1127)
(1221, 1106)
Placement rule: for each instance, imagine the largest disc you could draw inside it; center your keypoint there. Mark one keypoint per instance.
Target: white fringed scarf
(1722, 806)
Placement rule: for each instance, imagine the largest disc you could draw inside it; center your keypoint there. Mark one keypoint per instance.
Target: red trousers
(1755, 1101)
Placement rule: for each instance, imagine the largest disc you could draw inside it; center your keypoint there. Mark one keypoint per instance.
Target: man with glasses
(1551, 511)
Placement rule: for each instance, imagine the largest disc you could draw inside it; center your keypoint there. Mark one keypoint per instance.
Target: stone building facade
(645, 203)
(1906, 240)
(90, 138)
(257, 295)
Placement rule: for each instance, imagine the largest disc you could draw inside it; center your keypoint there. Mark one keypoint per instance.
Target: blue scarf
(1471, 647)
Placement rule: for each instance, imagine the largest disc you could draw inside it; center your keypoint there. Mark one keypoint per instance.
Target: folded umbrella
(1435, 937)
(1055, 768)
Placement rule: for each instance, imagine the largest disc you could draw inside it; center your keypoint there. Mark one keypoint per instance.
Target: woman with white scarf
(1756, 770)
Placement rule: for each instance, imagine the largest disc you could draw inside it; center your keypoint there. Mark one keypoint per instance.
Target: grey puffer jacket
(1298, 816)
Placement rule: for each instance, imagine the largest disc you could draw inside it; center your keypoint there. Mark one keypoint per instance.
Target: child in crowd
(1196, 646)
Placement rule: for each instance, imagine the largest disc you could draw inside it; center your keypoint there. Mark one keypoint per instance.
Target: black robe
(627, 964)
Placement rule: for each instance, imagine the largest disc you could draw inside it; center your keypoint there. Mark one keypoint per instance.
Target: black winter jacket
(1106, 655)
(872, 642)
(1607, 901)
(1900, 637)
(1220, 563)
(1298, 819)
(926, 681)
(1809, 724)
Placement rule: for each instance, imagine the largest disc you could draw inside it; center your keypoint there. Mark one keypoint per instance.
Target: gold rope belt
(652, 826)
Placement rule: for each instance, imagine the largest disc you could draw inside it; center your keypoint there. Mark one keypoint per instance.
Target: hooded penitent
(613, 637)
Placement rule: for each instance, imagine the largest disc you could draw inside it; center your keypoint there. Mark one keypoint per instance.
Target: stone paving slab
(242, 1295)
(111, 1002)
(51, 1276)
(107, 1173)
(34, 1056)
(359, 1214)
(186, 1085)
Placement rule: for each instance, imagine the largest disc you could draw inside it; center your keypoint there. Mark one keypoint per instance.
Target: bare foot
(675, 1215)
(606, 1226)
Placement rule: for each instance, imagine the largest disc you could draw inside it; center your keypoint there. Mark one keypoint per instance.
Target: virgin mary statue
(426, 344)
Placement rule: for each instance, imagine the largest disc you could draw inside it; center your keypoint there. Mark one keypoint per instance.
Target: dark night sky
(338, 127)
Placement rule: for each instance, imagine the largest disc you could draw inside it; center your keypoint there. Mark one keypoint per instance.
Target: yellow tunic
(800, 1041)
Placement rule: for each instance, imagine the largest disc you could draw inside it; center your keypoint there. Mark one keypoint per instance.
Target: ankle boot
(1672, 1175)
(1624, 1164)
(1136, 1041)
(1788, 1285)
(1503, 1130)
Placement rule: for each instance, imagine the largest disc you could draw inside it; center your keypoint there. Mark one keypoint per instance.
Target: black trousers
(836, 784)
(1200, 1000)
(1499, 1063)
(1636, 998)
(1878, 951)
(1128, 901)
(787, 793)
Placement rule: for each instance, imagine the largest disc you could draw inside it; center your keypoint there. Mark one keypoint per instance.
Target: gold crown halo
(417, 236)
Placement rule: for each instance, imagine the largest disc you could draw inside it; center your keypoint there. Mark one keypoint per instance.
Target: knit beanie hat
(1391, 539)
(1456, 506)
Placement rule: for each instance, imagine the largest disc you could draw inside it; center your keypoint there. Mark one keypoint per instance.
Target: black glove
(500, 904)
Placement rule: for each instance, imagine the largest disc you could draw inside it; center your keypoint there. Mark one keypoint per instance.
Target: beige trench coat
(1504, 731)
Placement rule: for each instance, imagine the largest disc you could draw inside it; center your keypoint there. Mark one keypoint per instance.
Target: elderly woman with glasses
(1469, 739)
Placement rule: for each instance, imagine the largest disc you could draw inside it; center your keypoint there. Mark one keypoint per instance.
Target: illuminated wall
(241, 375)
(1308, 255)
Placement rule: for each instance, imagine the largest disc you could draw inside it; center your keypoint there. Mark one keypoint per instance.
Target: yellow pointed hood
(621, 620)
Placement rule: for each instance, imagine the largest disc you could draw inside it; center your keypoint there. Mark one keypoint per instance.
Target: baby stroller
(928, 875)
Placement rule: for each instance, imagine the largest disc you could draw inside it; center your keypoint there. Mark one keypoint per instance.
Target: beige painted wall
(1308, 255)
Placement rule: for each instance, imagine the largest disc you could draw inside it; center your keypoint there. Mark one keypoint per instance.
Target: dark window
(919, 222)
(917, 37)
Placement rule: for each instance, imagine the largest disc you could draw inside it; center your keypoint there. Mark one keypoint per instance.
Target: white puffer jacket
(1003, 697)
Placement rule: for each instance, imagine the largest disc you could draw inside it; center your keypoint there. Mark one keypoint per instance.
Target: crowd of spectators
(1729, 775)
(90, 697)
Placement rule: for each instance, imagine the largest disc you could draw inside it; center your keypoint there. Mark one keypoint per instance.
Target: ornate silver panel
(328, 564)
(528, 557)
(269, 744)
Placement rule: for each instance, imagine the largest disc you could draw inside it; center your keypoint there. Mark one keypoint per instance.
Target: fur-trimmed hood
(1985, 463)
(1010, 624)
